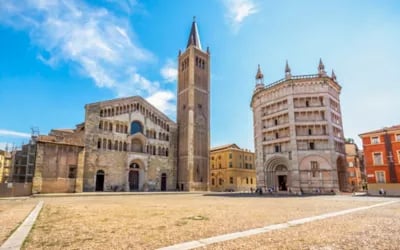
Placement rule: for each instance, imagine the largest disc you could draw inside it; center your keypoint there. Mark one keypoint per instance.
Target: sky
(56, 56)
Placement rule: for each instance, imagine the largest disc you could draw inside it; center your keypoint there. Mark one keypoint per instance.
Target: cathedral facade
(298, 133)
(127, 144)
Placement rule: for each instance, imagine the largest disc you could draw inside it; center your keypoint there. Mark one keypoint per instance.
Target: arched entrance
(99, 180)
(164, 182)
(342, 173)
(276, 174)
(133, 177)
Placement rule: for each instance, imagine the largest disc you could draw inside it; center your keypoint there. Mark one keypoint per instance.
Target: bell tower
(193, 115)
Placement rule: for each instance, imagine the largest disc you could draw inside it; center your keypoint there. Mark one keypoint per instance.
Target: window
(231, 180)
(212, 157)
(251, 181)
(351, 164)
(230, 164)
(311, 146)
(213, 181)
(230, 155)
(276, 135)
(398, 137)
(276, 122)
(375, 140)
(309, 131)
(212, 166)
(380, 177)
(72, 172)
(377, 158)
(307, 104)
(277, 148)
(220, 165)
(247, 180)
(398, 156)
(136, 127)
(221, 181)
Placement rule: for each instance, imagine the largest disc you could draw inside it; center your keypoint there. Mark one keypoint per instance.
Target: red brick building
(382, 159)
(354, 166)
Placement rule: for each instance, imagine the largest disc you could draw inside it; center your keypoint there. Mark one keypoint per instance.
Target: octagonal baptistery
(298, 134)
(129, 146)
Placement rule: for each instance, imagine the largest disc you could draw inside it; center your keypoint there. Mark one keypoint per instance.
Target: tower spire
(194, 38)
(321, 68)
(288, 73)
(259, 78)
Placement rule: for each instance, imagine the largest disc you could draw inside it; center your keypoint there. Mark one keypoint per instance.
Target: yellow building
(232, 169)
(5, 165)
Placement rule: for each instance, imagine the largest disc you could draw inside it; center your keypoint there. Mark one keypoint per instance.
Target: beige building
(298, 132)
(5, 165)
(127, 144)
(232, 169)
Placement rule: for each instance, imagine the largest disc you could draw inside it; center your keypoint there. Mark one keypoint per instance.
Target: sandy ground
(376, 228)
(152, 221)
(12, 214)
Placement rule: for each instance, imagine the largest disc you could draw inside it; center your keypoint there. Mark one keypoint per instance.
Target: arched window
(101, 125)
(104, 144)
(136, 127)
(99, 143)
(110, 128)
(120, 146)
(109, 145)
(101, 113)
(116, 145)
(166, 152)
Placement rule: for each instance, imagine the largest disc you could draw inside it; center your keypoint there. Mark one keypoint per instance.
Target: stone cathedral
(127, 144)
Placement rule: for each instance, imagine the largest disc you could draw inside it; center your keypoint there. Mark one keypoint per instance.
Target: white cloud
(169, 71)
(163, 101)
(94, 39)
(10, 133)
(237, 11)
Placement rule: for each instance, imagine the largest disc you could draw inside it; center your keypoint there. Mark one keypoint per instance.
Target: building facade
(193, 115)
(298, 132)
(127, 144)
(382, 159)
(354, 166)
(232, 169)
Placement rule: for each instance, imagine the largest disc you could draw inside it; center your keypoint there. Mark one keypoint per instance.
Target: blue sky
(57, 56)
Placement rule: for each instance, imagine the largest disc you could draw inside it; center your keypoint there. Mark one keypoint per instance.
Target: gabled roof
(194, 38)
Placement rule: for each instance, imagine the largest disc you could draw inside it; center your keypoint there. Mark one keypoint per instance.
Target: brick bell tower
(193, 115)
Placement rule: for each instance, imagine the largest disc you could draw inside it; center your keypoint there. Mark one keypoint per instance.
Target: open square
(150, 221)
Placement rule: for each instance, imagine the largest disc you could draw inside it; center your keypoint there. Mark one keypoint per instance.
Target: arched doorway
(281, 173)
(164, 182)
(133, 177)
(99, 180)
(276, 174)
